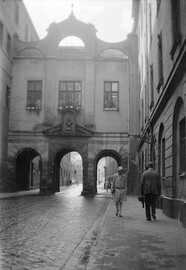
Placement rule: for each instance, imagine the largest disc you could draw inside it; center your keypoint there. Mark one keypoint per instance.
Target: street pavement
(67, 231)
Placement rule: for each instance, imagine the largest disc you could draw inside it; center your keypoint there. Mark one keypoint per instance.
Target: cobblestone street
(43, 232)
(70, 232)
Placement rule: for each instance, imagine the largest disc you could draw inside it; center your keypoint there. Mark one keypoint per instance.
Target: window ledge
(68, 108)
(111, 109)
(30, 108)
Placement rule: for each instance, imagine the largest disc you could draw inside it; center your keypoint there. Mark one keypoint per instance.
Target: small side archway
(27, 176)
(106, 153)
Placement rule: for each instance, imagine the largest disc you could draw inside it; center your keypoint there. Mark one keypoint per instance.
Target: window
(1, 33)
(150, 22)
(176, 31)
(16, 14)
(26, 32)
(163, 157)
(34, 95)
(8, 47)
(152, 86)
(182, 145)
(111, 98)
(70, 94)
(7, 97)
(160, 61)
(158, 6)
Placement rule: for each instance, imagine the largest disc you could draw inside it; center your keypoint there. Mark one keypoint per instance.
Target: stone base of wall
(173, 208)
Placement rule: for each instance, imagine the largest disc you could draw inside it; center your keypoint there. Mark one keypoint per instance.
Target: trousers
(150, 205)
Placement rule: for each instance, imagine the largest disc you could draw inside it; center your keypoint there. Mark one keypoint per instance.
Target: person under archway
(119, 189)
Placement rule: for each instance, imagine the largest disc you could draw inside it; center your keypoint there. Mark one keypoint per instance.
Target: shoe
(120, 215)
(116, 214)
(154, 217)
(148, 219)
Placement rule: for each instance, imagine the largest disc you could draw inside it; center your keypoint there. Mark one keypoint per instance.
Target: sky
(111, 18)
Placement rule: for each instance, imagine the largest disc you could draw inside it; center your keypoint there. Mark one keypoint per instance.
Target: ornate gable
(70, 129)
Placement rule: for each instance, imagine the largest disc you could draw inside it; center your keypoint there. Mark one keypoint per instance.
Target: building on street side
(161, 30)
(14, 21)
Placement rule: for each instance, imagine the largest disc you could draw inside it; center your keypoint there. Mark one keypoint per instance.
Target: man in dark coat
(150, 189)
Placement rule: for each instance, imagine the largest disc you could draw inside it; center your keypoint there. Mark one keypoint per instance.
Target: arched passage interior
(67, 168)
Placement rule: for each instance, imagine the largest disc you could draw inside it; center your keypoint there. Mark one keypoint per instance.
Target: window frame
(38, 103)
(111, 92)
(70, 88)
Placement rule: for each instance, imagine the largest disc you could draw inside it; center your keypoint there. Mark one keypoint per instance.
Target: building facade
(14, 20)
(68, 99)
(161, 29)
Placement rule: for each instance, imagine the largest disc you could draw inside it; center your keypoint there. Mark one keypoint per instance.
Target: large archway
(60, 169)
(28, 169)
(106, 153)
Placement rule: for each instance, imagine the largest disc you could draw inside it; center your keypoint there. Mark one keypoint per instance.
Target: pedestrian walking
(150, 189)
(107, 184)
(119, 189)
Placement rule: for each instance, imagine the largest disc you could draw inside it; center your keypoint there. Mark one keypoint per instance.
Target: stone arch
(24, 170)
(177, 114)
(58, 153)
(103, 153)
(113, 53)
(31, 51)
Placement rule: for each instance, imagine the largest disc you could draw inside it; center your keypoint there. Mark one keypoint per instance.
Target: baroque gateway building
(64, 99)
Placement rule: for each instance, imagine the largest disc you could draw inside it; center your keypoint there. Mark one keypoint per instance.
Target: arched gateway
(82, 99)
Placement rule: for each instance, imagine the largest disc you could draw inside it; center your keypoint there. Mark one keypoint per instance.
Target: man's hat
(120, 168)
(150, 164)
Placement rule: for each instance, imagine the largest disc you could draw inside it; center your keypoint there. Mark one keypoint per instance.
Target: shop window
(70, 93)
(111, 95)
(34, 95)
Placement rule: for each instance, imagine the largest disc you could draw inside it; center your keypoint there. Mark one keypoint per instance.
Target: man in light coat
(150, 189)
